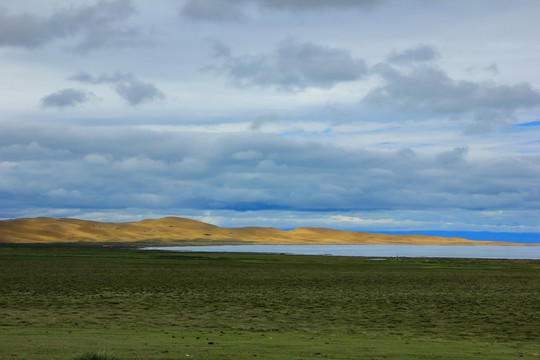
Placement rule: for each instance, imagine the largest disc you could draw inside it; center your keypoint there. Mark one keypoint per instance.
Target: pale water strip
(429, 251)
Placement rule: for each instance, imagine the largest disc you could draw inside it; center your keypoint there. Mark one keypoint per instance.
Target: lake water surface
(431, 251)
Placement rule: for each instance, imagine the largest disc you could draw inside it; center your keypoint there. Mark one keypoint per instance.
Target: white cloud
(93, 26)
(293, 66)
(63, 193)
(136, 92)
(66, 98)
(418, 54)
(213, 10)
(430, 90)
(131, 89)
(236, 10)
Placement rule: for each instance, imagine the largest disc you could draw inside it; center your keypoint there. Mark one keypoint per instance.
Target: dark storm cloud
(66, 98)
(98, 25)
(119, 168)
(431, 90)
(234, 10)
(126, 85)
(292, 66)
(417, 54)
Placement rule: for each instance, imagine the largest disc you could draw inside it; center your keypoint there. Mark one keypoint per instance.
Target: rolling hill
(175, 230)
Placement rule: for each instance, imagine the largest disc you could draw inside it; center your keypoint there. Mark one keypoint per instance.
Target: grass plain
(58, 301)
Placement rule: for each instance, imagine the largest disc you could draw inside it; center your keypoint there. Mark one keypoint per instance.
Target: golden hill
(174, 230)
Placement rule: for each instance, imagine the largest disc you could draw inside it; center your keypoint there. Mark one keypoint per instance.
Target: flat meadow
(58, 301)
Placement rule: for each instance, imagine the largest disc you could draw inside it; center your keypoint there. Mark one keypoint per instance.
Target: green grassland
(60, 301)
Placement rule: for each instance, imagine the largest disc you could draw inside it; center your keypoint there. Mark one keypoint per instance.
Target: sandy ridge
(171, 230)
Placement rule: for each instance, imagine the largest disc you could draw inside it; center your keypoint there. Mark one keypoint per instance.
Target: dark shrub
(95, 356)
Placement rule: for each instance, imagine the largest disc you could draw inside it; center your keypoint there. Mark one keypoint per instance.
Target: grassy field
(60, 301)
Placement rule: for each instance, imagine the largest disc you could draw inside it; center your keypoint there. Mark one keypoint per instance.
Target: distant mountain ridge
(176, 230)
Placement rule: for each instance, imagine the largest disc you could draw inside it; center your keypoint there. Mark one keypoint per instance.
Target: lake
(430, 251)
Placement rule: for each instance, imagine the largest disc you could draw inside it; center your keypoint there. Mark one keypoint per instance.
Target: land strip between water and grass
(57, 301)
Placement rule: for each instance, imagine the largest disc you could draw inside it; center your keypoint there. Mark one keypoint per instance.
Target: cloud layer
(124, 168)
(334, 111)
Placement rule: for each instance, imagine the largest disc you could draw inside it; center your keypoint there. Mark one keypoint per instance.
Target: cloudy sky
(351, 114)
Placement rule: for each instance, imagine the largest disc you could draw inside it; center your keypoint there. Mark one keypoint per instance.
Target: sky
(377, 115)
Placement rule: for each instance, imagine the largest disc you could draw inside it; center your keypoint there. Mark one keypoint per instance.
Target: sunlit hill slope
(174, 230)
